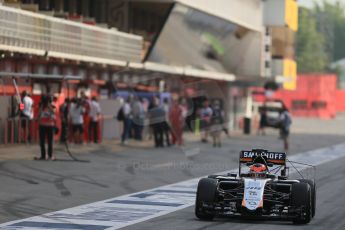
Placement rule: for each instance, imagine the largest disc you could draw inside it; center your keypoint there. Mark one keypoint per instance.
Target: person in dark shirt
(285, 123)
(64, 108)
(157, 119)
(47, 122)
(263, 121)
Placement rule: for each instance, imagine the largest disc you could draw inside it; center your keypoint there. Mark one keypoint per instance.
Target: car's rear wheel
(205, 194)
(301, 199)
(313, 194)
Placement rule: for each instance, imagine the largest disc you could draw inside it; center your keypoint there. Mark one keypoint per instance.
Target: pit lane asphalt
(330, 211)
(31, 188)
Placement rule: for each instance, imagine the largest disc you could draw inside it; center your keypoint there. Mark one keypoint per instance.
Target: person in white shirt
(28, 105)
(94, 114)
(26, 115)
(76, 117)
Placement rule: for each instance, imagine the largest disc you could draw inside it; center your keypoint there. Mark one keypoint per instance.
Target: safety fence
(26, 131)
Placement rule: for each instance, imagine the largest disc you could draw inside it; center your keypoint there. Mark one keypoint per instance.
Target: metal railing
(19, 28)
(18, 130)
(24, 131)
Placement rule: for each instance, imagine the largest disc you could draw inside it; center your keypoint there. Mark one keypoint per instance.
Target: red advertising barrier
(316, 95)
(340, 101)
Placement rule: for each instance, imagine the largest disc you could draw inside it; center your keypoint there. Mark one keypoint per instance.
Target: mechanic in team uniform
(177, 115)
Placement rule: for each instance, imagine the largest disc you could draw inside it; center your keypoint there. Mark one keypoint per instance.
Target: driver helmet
(258, 170)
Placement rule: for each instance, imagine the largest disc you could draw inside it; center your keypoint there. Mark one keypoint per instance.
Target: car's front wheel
(205, 194)
(301, 199)
(313, 194)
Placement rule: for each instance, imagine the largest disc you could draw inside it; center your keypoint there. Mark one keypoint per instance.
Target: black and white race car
(264, 191)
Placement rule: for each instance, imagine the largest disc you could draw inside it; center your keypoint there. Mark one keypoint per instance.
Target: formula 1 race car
(258, 193)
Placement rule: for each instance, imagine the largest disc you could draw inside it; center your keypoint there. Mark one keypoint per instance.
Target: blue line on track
(44, 225)
(153, 203)
(154, 192)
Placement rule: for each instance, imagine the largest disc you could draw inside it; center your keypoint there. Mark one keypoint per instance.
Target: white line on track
(134, 208)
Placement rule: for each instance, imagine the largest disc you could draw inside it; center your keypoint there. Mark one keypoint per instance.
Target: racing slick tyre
(313, 194)
(301, 198)
(207, 188)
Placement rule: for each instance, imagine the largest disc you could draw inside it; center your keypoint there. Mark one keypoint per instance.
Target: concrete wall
(281, 13)
(244, 56)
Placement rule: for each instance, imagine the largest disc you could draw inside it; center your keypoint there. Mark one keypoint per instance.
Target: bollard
(197, 126)
(100, 130)
(19, 127)
(6, 133)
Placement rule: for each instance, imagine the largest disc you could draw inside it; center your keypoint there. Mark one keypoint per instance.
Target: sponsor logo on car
(269, 155)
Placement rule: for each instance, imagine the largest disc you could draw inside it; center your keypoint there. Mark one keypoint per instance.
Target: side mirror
(285, 172)
(282, 177)
(232, 174)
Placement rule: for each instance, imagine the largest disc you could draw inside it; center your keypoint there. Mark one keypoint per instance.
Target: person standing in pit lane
(263, 121)
(26, 115)
(177, 115)
(205, 114)
(64, 108)
(85, 101)
(76, 117)
(47, 122)
(217, 121)
(166, 123)
(125, 115)
(94, 117)
(285, 123)
(157, 118)
(138, 115)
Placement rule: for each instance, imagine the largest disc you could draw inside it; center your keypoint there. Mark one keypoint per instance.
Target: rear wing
(276, 158)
